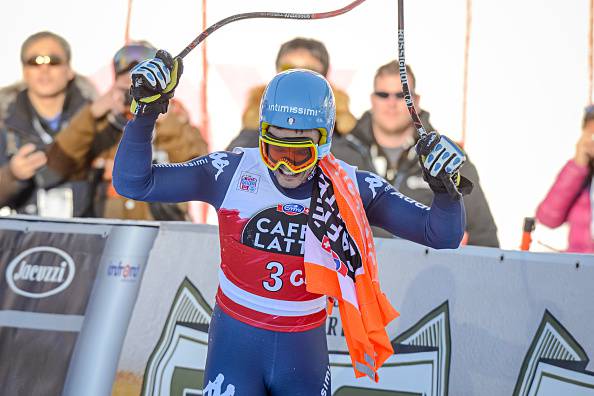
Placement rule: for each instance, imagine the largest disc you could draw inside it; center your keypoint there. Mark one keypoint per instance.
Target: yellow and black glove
(154, 82)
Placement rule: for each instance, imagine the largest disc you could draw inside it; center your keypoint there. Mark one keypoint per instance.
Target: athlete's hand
(154, 82)
(441, 160)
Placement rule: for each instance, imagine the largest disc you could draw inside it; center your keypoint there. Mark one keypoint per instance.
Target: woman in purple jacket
(570, 199)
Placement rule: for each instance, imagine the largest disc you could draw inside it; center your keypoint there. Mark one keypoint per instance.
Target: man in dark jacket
(305, 53)
(32, 162)
(388, 132)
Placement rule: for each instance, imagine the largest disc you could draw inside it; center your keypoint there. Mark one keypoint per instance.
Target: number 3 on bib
(275, 283)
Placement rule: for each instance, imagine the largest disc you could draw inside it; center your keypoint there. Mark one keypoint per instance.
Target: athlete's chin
(290, 181)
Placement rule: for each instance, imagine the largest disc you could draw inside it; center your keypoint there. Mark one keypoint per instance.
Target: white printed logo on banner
(123, 270)
(179, 357)
(555, 363)
(40, 272)
(420, 364)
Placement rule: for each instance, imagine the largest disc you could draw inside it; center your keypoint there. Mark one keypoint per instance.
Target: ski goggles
(297, 154)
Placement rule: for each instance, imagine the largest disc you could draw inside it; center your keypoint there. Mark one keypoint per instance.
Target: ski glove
(154, 82)
(441, 159)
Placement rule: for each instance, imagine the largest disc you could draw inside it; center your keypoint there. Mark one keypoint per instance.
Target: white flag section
(474, 321)
(179, 356)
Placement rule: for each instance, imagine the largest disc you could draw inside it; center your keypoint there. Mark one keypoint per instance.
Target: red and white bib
(262, 231)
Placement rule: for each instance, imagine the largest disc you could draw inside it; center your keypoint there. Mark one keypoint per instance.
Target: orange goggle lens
(296, 154)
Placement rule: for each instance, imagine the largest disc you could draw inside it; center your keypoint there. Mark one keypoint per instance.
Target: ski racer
(293, 226)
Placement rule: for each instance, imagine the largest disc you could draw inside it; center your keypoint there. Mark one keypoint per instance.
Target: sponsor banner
(67, 290)
(48, 272)
(46, 280)
(474, 321)
(164, 350)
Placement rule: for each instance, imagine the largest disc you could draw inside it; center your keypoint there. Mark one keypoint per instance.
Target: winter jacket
(569, 201)
(21, 125)
(407, 177)
(344, 146)
(96, 140)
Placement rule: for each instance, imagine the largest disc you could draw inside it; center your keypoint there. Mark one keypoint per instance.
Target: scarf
(340, 262)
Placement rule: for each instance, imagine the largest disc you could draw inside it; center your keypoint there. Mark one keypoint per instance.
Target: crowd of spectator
(58, 139)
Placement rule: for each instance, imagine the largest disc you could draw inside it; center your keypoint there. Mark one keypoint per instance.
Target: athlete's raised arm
(135, 176)
(440, 226)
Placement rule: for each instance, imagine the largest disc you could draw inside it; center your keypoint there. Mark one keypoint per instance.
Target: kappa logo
(47, 266)
(374, 182)
(292, 209)
(215, 388)
(218, 162)
(248, 182)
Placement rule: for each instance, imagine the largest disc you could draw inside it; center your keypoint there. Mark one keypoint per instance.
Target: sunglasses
(38, 60)
(386, 95)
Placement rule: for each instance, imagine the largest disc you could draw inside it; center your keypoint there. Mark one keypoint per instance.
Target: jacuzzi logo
(34, 273)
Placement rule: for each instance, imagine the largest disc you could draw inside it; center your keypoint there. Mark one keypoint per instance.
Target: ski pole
(278, 15)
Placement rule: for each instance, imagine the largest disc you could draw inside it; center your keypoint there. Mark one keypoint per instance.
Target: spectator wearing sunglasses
(98, 127)
(305, 53)
(32, 156)
(387, 130)
(570, 199)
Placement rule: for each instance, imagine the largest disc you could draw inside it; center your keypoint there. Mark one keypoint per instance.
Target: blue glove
(441, 159)
(154, 82)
